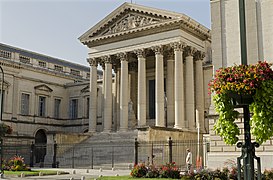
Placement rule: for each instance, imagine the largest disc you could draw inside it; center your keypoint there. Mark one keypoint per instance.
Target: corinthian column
(179, 86)
(108, 94)
(189, 81)
(159, 87)
(170, 89)
(124, 92)
(93, 96)
(199, 88)
(141, 94)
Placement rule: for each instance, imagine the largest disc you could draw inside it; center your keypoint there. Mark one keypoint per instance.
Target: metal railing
(107, 155)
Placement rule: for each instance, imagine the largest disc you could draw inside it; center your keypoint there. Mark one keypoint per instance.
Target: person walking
(189, 160)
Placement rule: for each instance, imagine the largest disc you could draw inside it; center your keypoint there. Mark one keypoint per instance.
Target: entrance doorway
(40, 146)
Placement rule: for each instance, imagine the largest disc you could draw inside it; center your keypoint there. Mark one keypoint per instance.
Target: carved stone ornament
(130, 21)
(141, 53)
(198, 56)
(122, 56)
(169, 55)
(189, 51)
(178, 46)
(92, 61)
(158, 49)
(106, 59)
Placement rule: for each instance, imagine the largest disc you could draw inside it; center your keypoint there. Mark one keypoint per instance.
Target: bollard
(73, 171)
(82, 178)
(40, 174)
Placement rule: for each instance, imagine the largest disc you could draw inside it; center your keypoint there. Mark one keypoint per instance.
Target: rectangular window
(42, 106)
(75, 72)
(58, 68)
(25, 104)
(57, 106)
(73, 108)
(87, 106)
(24, 59)
(42, 64)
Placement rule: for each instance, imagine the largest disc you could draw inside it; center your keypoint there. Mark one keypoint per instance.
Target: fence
(106, 154)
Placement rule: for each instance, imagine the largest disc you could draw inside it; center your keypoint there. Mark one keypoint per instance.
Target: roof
(126, 10)
(43, 57)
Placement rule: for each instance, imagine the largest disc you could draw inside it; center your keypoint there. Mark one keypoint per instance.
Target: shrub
(16, 163)
(170, 170)
(139, 170)
(152, 172)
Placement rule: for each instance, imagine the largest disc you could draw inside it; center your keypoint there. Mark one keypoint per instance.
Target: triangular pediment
(127, 17)
(85, 89)
(43, 87)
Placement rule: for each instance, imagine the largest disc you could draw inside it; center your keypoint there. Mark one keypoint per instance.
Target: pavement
(74, 174)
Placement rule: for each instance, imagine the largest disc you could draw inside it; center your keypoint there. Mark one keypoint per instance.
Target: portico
(157, 59)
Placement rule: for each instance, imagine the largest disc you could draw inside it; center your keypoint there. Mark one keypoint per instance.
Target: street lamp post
(248, 148)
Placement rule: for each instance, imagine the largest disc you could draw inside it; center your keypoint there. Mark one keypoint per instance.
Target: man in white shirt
(189, 160)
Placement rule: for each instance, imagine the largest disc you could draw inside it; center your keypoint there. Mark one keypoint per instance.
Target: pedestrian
(189, 160)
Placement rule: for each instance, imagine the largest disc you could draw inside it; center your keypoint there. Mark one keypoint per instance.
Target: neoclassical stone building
(226, 52)
(42, 96)
(161, 61)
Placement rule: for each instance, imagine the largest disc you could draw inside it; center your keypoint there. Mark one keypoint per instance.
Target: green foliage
(262, 108)
(225, 125)
(254, 80)
(5, 129)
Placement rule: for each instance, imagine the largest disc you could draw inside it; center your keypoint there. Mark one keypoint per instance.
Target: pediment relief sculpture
(130, 21)
(43, 87)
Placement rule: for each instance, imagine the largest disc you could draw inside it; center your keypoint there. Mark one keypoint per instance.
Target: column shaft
(159, 90)
(179, 90)
(189, 81)
(199, 95)
(141, 95)
(108, 97)
(124, 96)
(118, 98)
(93, 98)
(170, 93)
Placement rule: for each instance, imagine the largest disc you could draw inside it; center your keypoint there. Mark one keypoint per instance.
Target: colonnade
(184, 87)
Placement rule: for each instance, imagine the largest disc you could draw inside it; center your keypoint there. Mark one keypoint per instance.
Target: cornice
(190, 27)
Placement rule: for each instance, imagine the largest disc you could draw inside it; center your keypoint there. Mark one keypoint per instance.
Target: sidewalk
(75, 174)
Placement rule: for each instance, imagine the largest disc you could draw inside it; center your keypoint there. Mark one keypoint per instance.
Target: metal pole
(170, 150)
(243, 32)
(136, 151)
(1, 121)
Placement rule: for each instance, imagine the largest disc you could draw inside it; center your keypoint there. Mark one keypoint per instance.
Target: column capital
(123, 56)
(141, 53)
(178, 46)
(169, 55)
(189, 51)
(133, 66)
(199, 55)
(106, 59)
(158, 49)
(92, 61)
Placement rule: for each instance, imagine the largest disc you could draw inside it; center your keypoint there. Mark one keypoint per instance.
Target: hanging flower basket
(241, 85)
(5, 129)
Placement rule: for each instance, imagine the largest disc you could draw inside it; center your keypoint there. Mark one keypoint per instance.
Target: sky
(52, 27)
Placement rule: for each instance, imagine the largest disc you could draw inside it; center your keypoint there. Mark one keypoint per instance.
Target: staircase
(102, 150)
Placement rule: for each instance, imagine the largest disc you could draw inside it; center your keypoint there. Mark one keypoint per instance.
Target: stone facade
(162, 64)
(40, 93)
(226, 52)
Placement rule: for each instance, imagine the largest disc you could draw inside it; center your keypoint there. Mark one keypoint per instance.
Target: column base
(178, 127)
(106, 131)
(123, 130)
